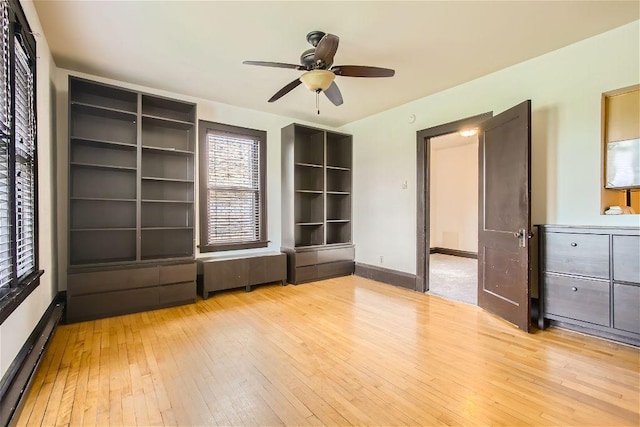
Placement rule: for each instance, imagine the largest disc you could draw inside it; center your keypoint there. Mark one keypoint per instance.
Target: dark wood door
(504, 220)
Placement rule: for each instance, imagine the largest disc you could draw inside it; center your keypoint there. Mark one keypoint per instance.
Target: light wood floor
(337, 352)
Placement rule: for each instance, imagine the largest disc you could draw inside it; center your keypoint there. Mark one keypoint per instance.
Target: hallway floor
(454, 278)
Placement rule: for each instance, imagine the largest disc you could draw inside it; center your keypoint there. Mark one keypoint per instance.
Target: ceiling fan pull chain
(318, 101)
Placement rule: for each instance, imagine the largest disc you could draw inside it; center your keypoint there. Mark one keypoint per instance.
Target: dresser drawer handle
(574, 289)
(574, 244)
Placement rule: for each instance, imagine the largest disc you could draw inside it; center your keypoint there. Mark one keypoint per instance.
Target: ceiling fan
(320, 71)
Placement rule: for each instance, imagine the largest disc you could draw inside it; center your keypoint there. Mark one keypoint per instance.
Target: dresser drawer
(626, 258)
(177, 293)
(305, 258)
(581, 254)
(575, 298)
(306, 274)
(112, 280)
(337, 254)
(335, 269)
(177, 273)
(626, 307)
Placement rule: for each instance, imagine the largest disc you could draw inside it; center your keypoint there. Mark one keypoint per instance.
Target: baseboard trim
(386, 275)
(17, 379)
(454, 252)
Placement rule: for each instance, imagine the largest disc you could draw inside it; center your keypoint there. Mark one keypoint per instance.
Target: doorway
(424, 154)
(453, 216)
(504, 210)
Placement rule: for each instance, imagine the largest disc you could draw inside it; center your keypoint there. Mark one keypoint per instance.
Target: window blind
(233, 189)
(6, 260)
(25, 164)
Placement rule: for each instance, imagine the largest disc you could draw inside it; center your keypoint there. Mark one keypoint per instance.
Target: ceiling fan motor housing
(314, 37)
(306, 59)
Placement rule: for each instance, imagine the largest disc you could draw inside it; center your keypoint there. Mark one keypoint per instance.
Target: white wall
(206, 110)
(565, 87)
(453, 195)
(15, 330)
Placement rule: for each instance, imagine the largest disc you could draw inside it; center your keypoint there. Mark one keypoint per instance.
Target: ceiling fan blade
(274, 64)
(362, 71)
(333, 93)
(285, 90)
(326, 49)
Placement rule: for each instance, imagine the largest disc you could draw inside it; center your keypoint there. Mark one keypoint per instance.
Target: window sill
(11, 298)
(234, 246)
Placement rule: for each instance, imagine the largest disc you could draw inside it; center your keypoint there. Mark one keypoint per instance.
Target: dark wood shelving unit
(131, 199)
(316, 203)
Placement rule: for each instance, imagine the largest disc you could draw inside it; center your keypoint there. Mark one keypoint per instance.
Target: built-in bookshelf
(131, 177)
(316, 201)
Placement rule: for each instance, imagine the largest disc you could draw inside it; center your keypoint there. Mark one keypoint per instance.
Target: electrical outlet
(405, 184)
(381, 259)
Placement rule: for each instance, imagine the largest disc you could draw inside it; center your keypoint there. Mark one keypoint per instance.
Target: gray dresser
(590, 280)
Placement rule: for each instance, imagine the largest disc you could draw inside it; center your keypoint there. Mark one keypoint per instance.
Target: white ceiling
(197, 48)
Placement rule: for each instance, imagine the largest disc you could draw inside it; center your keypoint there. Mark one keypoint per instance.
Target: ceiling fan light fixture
(316, 80)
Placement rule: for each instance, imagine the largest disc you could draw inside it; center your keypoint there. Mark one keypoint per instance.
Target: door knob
(522, 235)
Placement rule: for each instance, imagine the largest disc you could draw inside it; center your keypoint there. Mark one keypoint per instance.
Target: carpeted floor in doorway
(454, 278)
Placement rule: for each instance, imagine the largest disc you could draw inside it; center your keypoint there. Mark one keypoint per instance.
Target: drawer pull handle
(574, 244)
(574, 289)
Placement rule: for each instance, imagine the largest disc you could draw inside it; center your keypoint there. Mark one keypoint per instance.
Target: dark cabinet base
(98, 294)
(312, 264)
(242, 271)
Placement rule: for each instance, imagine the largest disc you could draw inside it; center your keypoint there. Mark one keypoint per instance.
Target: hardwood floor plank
(346, 351)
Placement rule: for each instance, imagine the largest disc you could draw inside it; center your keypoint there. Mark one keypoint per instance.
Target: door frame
(423, 138)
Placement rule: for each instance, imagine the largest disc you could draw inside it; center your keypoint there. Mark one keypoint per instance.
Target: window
(232, 187)
(18, 221)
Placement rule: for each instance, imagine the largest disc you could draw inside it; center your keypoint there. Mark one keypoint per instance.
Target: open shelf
(102, 246)
(167, 190)
(168, 109)
(104, 199)
(309, 207)
(107, 111)
(309, 178)
(100, 166)
(309, 146)
(167, 215)
(167, 123)
(85, 152)
(102, 214)
(103, 183)
(102, 144)
(162, 243)
(168, 150)
(338, 232)
(338, 207)
(309, 165)
(97, 125)
(161, 134)
(309, 235)
(167, 165)
(338, 180)
(99, 95)
(339, 150)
